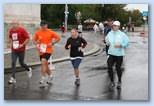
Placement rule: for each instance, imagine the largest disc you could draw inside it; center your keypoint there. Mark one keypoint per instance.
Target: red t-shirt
(18, 36)
(63, 29)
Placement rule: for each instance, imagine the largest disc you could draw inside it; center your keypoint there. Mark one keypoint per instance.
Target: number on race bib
(14, 36)
(43, 48)
(15, 44)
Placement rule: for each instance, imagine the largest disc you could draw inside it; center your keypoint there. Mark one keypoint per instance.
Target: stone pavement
(93, 76)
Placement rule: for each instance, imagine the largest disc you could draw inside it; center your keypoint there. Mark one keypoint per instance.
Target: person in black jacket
(76, 44)
(107, 29)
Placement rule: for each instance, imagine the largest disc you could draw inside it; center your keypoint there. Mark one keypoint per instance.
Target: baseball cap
(117, 23)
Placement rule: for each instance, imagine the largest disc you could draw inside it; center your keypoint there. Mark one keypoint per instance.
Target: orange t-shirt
(44, 38)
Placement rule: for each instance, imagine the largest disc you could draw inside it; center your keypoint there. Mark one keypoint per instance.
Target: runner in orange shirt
(44, 39)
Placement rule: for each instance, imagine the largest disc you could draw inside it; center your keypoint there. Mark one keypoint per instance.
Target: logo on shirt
(14, 36)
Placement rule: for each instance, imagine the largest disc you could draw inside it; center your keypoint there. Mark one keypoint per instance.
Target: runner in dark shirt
(76, 45)
(107, 29)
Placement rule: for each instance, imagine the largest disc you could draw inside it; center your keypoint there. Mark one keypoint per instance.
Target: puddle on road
(99, 68)
(96, 68)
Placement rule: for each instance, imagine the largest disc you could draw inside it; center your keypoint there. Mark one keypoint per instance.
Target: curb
(67, 58)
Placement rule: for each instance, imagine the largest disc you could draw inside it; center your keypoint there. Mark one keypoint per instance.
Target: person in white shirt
(95, 28)
(80, 29)
(101, 28)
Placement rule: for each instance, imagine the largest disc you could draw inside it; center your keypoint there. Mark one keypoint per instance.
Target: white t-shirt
(80, 28)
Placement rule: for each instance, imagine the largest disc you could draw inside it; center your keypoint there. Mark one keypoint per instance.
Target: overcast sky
(141, 7)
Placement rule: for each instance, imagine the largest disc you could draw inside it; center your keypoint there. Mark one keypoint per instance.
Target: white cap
(117, 23)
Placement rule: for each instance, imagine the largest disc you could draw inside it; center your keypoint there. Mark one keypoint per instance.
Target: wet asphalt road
(94, 79)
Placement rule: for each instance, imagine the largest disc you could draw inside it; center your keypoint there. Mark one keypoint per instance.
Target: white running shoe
(50, 79)
(29, 73)
(119, 85)
(12, 80)
(42, 83)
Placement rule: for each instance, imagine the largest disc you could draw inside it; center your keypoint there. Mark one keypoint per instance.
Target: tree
(54, 13)
(136, 17)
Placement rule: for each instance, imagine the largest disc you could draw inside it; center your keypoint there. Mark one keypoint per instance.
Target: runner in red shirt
(18, 39)
(62, 30)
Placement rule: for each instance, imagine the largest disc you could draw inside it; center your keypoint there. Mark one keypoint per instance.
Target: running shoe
(77, 82)
(29, 73)
(12, 80)
(119, 85)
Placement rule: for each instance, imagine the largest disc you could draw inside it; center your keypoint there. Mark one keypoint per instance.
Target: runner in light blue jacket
(117, 41)
(117, 38)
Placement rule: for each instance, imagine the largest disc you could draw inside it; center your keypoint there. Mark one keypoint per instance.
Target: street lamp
(145, 15)
(66, 16)
(144, 18)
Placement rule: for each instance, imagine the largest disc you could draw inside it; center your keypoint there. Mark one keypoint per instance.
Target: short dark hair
(109, 19)
(74, 28)
(43, 22)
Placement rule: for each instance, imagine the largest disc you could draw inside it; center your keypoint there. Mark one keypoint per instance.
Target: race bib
(43, 48)
(14, 36)
(15, 44)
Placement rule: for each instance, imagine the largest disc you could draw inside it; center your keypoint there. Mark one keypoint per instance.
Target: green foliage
(54, 13)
